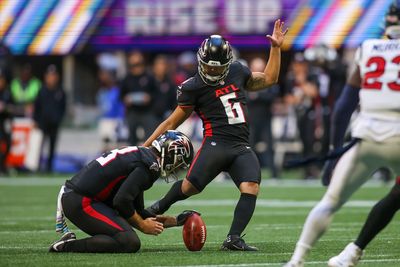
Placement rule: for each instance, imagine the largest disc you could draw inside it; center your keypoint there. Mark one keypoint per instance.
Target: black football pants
(110, 233)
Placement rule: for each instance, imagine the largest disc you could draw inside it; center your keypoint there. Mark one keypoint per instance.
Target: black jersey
(118, 178)
(222, 108)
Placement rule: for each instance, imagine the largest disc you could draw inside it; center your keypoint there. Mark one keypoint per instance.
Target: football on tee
(194, 233)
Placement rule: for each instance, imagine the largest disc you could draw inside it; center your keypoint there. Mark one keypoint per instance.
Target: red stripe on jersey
(195, 158)
(398, 180)
(206, 124)
(88, 209)
(107, 190)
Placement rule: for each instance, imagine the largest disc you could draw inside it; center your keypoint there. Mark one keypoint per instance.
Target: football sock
(243, 213)
(173, 195)
(316, 224)
(380, 216)
(123, 242)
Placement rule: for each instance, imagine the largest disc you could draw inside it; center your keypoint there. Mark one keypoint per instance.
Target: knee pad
(129, 241)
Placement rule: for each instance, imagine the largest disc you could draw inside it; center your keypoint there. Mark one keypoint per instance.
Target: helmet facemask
(171, 166)
(212, 79)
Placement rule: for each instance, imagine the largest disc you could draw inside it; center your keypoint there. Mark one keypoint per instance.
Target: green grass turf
(27, 210)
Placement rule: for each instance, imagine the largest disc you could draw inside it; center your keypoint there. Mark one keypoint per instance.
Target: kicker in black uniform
(216, 94)
(105, 199)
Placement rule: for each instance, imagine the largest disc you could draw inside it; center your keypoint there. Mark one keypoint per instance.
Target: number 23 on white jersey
(379, 63)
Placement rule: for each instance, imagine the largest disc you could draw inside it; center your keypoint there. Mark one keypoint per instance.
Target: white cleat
(294, 264)
(349, 257)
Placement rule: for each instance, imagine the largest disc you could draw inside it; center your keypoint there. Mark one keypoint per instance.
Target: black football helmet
(176, 153)
(214, 57)
(392, 20)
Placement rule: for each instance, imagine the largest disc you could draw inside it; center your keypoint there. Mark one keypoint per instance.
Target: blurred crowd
(135, 94)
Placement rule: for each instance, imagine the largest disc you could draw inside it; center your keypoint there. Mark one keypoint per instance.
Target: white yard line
(261, 203)
(338, 237)
(28, 232)
(268, 203)
(39, 218)
(20, 247)
(32, 181)
(38, 181)
(277, 263)
(271, 213)
(267, 214)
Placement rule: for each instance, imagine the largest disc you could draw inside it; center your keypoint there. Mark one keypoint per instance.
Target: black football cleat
(183, 216)
(154, 209)
(235, 242)
(58, 246)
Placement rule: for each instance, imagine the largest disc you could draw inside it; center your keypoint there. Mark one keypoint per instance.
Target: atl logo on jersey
(226, 90)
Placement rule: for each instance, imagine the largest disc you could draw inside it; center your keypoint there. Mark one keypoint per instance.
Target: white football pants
(353, 169)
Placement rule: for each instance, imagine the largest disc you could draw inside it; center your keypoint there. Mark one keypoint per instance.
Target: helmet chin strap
(209, 81)
(170, 176)
(163, 172)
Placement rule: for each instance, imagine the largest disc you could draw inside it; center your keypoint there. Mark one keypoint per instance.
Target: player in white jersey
(375, 85)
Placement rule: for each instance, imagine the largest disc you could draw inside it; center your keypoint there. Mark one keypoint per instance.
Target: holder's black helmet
(176, 153)
(214, 54)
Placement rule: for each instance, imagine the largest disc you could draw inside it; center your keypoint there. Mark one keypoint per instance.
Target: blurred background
(78, 77)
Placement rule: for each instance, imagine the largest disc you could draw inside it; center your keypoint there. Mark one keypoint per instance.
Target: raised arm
(261, 80)
(179, 115)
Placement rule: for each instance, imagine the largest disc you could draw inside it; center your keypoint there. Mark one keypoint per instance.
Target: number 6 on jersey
(233, 110)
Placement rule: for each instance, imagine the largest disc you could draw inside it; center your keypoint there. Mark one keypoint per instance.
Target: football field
(27, 211)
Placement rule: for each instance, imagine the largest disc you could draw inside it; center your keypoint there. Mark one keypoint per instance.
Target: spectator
(138, 93)
(110, 107)
(108, 62)
(49, 110)
(302, 92)
(187, 67)
(5, 121)
(165, 101)
(24, 91)
(331, 74)
(108, 97)
(260, 115)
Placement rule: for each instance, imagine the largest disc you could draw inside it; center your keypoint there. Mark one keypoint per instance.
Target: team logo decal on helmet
(181, 144)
